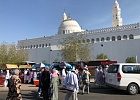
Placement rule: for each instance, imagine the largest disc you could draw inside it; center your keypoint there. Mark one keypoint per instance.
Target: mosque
(117, 42)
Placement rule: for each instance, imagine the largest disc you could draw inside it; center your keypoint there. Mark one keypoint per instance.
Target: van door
(111, 76)
(131, 73)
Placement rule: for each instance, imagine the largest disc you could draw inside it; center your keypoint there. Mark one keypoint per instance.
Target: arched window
(118, 37)
(79, 41)
(97, 39)
(46, 45)
(108, 39)
(125, 37)
(63, 31)
(83, 41)
(102, 39)
(92, 40)
(36, 46)
(131, 36)
(42, 45)
(88, 40)
(113, 38)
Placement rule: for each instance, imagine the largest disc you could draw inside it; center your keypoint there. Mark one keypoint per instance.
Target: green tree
(75, 47)
(21, 55)
(102, 56)
(9, 54)
(130, 60)
(3, 53)
(56, 60)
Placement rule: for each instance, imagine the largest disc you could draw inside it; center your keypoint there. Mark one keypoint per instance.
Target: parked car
(124, 76)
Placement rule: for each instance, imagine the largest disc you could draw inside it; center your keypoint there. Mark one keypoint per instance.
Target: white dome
(69, 26)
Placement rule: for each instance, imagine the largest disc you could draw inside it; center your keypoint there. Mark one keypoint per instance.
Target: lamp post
(50, 54)
(102, 50)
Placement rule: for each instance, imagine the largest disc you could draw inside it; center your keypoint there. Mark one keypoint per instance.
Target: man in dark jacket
(45, 80)
(40, 83)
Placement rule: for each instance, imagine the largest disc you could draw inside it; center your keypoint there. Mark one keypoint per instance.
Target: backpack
(10, 82)
(84, 77)
(11, 85)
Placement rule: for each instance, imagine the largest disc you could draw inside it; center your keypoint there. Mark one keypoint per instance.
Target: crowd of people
(49, 79)
(100, 75)
(71, 80)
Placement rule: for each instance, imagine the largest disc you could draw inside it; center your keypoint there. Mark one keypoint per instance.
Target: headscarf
(54, 73)
(100, 68)
(17, 72)
(13, 72)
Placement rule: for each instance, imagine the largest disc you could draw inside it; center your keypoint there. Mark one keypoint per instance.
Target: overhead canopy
(9, 66)
(40, 65)
(28, 63)
(25, 66)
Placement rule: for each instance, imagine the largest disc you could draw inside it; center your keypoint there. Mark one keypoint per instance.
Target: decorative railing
(112, 29)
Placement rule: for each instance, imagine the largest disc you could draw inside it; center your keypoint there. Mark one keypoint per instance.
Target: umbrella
(62, 64)
(35, 66)
(55, 65)
(41, 65)
(47, 64)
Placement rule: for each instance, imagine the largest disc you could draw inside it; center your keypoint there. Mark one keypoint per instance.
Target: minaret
(117, 20)
(64, 16)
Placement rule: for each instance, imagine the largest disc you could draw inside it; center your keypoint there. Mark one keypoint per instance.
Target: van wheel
(132, 89)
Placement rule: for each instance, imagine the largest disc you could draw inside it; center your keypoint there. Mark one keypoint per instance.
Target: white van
(124, 76)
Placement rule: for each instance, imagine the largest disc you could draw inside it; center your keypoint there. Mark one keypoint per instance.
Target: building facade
(117, 42)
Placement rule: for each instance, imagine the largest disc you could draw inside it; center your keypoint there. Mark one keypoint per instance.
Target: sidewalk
(24, 87)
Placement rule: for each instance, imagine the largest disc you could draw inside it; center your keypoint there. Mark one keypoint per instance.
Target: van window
(131, 69)
(113, 68)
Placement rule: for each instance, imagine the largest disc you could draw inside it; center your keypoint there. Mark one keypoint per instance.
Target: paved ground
(29, 92)
(27, 87)
(24, 87)
(96, 93)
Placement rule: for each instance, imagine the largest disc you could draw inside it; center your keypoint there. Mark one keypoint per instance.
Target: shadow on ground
(31, 95)
(100, 90)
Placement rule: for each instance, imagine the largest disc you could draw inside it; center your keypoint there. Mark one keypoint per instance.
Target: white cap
(106, 66)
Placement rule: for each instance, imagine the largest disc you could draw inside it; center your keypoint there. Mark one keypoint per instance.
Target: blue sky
(26, 19)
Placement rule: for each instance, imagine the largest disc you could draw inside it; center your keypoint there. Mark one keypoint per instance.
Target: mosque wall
(118, 50)
(115, 50)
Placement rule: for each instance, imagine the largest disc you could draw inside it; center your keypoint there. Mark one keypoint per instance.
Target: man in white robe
(63, 75)
(72, 86)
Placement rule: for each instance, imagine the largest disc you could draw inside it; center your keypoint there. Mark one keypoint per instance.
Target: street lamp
(102, 50)
(50, 54)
